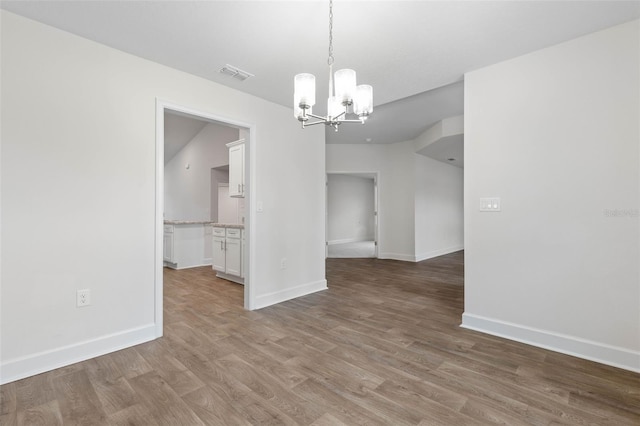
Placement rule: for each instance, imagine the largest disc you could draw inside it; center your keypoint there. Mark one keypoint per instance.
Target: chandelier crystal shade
(345, 96)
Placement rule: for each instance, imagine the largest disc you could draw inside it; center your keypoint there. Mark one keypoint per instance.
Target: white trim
(436, 253)
(250, 227)
(250, 220)
(205, 262)
(235, 143)
(291, 293)
(570, 345)
(349, 240)
(420, 258)
(397, 256)
(19, 368)
(159, 220)
(234, 278)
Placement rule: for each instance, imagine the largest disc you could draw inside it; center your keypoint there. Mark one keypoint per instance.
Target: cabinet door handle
(221, 245)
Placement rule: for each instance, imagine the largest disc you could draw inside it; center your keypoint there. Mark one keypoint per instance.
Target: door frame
(376, 206)
(162, 106)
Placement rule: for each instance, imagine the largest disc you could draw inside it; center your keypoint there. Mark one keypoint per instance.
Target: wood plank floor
(382, 346)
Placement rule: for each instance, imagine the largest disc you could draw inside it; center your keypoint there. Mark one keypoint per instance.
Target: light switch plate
(491, 204)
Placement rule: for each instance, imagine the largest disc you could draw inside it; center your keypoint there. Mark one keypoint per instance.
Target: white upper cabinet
(236, 168)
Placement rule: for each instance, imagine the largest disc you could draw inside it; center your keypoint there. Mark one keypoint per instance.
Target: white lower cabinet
(168, 244)
(187, 245)
(233, 261)
(219, 254)
(227, 253)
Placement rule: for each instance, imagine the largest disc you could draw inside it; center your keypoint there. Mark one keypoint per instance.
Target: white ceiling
(449, 149)
(178, 131)
(414, 53)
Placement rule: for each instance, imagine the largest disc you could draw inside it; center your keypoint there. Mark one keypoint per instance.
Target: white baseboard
(397, 256)
(205, 262)
(421, 257)
(291, 293)
(570, 345)
(19, 368)
(229, 277)
(436, 253)
(348, 240)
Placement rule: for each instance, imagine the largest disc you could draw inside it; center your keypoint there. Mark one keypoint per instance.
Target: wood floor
(382, 346)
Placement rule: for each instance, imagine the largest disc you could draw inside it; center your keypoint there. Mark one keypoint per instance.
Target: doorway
(246, 131)
(352, 215)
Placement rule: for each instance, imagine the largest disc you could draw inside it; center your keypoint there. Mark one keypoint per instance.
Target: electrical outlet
(283, 263)
(83, 298)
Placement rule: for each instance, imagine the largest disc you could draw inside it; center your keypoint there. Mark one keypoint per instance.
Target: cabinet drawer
(168, 229)
(218, 232)
(233, 233)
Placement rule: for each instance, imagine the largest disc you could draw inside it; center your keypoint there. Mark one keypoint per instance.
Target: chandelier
(345, 98)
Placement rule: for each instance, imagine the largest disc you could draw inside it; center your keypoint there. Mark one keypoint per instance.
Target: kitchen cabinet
(168, 244)
(233, 260)
(228, 253)
(186, 244)
(236, 168)
(219, 255)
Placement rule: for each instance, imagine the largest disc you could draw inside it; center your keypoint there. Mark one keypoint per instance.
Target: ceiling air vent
(235, 72)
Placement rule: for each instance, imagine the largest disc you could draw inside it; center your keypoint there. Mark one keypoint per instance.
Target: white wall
(439, 208)
(395, 190)
(419, 199)
(555, 134)
(217, 177)
(230, 209)
(399, 199)
(187, 191)
(78, 194)
(350, 206)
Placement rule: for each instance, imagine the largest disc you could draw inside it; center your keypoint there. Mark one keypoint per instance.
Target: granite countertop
(188, 222)
(228, 225)
(204, 222)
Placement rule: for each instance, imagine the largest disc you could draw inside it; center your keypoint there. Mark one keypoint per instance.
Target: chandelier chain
(330, 60)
